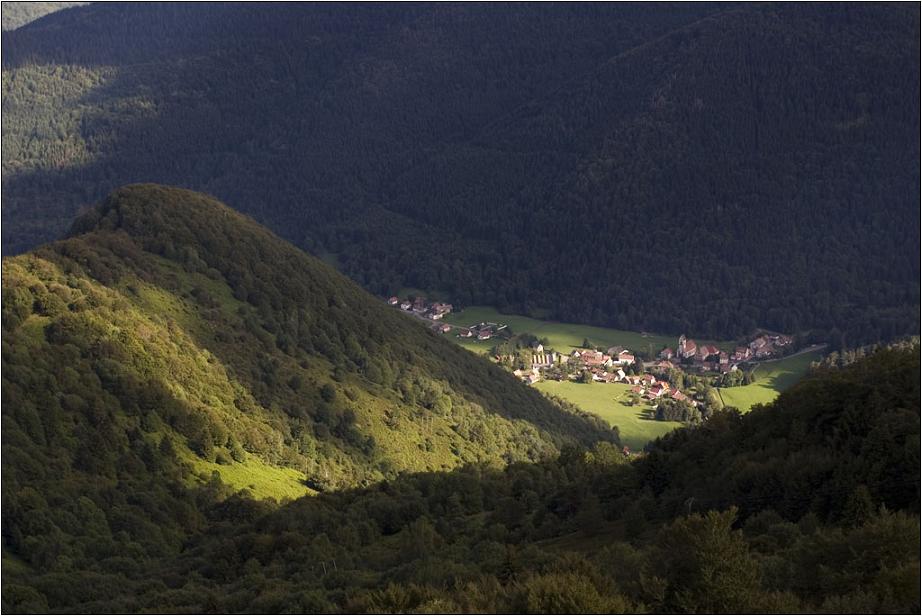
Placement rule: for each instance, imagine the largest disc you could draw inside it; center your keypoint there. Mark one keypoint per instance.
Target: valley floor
(610, 401)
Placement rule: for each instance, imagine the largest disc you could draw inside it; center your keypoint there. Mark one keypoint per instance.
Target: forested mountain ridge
(18, 14)
(701, 168)
(169, 327)
(807, 505)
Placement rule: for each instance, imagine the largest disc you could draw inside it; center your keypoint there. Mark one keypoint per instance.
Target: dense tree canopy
(702, 168)
(167, 321)
(809, 504)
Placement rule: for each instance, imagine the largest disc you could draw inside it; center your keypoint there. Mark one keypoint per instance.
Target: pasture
(610, 402)
(563, 337)
(772, 378)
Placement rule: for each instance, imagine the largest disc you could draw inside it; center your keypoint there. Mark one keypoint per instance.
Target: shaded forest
(808, 505)
(702, 168)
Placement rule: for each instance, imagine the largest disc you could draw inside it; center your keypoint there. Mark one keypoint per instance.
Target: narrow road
(809, 349)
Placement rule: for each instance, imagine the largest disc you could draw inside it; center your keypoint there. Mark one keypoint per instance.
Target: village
(653, 379)
(650, 380)
(436, 311)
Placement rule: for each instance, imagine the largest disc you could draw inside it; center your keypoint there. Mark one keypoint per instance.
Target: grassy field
(772, 378)
(609, 401)
(562, 336)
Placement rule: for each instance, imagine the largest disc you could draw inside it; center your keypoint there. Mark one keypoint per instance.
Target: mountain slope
(18, 14)
(166, 320)
(740, 515)
(700, 168)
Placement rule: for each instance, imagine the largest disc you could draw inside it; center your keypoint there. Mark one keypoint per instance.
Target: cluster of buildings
(649, 388)
(689, 349)
(705, 357)
(421, 307)
(615, 356)
(605, 368)
(763, 347)
(482, 331)
(709, 358)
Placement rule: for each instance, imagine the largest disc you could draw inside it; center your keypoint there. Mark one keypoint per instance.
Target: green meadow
(772, 378)
(610, 402)
(561, 336)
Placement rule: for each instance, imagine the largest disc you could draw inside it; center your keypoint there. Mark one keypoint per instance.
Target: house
(648, 380)
(663, 366)
(619, 375)
(687, 348)
(625, 358)
(667, 353)
(465, 333)
(762, 347)
(707, 350)
(657, 390)
(724, 358)
(484, 334)
(419, 305)
(393, 301)
(760, 344)
(741, 353)
(405, 305)
(439, 310)
(445, 328)
(637, 389)
(595, 358)
(678, 395)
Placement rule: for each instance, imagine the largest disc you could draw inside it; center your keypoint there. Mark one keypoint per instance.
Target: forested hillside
(18, 14)
(700, 168)
(171, 337)
(808, 505)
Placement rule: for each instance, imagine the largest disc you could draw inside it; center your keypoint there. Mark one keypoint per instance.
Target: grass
(261, 479)
(610, 402)
(562, 337)
(772, 378)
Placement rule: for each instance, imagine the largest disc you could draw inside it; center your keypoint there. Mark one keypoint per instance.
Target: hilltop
(168, 331)
(698, 169)
(18, 14)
